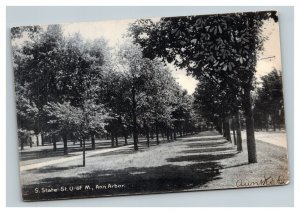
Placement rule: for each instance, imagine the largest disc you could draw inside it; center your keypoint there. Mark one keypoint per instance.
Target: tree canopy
(221, 47)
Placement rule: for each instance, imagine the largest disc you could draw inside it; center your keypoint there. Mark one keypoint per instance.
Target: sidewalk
(275, 138)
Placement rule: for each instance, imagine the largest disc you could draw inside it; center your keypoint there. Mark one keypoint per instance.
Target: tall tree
(27, 113)
(36, 63)
(66, 119)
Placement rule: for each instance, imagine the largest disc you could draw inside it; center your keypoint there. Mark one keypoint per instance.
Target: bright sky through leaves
(114, 31)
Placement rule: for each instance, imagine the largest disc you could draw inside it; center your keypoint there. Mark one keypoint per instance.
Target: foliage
(221, 47)
(269, 100)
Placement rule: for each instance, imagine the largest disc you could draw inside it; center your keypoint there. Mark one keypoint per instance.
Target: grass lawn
(200, 162)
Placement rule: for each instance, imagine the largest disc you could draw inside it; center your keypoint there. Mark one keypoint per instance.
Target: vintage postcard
(159, 105)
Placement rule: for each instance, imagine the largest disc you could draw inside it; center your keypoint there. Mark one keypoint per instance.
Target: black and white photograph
(146, 106)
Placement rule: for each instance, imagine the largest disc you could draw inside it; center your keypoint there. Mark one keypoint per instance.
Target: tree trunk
(156, 133)
(181, 130)
(83, 153)
(54, 143)
(227, 129)
(174, 135)
(151, 135)
(65, 144)
(251, 146)
(126, 137)
(148, 137)
(37, 140)
(224, 128)
(274, 122)
(267, 123)
(112, 140)
(80, 142)
(168, 134)
(233, 130)
(22, 144)
(278, 118)
(30, 142)
(238, 132)
(117, 141)
(93, 141)
(42, 139)
(135, 130)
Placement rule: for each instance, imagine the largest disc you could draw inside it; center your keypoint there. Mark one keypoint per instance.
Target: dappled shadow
(51, 169)
(200, 168)
(45, 152)
(167, 178)
(208, 133)
(202, 139)
(48, 152)
(208, 149)
(201, 157)
(237, 165)
(212, 144)
(40, 154)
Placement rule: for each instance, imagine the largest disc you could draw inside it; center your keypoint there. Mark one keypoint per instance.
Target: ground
(195, 162)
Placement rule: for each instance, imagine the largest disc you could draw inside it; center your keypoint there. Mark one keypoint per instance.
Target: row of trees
(268, 104)
(78, 89)
(219, 106)
(218, 50)
(216, 105)
(68, 88)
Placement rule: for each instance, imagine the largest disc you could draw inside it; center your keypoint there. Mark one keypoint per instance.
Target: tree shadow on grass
(200, 169)
(237, 165)
(201, 157)
(72, 148)
(208, 133)
(48, 153)
(167, 178)
(213, 144)
(208, 149)
(201, 139)
(51, 169)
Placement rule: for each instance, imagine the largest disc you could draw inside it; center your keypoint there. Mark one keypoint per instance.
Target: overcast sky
(113, 32)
